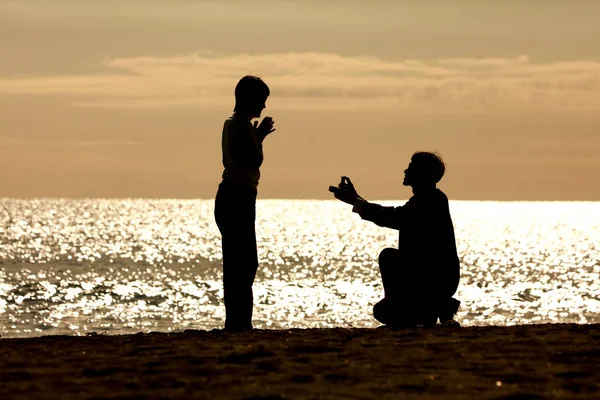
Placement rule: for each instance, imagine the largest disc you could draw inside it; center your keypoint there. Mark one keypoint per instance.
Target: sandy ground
(520, 362)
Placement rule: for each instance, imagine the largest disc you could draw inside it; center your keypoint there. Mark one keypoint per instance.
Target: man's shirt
(426, 240)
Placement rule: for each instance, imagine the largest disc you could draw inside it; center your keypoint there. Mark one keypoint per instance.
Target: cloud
(29, 142)
(543, 161)
(331, 81)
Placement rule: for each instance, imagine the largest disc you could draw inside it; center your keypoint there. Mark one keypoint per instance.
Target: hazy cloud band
(331, 81)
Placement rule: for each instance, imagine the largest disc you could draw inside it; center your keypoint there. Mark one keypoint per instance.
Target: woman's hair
(249, 90)
(433, 162)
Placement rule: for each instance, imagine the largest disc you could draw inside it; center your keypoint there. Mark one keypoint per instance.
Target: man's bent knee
(380, 312)
(388, 256)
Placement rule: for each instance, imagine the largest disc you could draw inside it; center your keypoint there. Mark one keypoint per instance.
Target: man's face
(413, 174)
(408, 174)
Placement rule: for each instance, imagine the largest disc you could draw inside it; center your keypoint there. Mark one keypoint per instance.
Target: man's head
(250, 96)
(425, 169)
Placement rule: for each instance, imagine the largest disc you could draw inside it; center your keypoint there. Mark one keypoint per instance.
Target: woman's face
(257, 106)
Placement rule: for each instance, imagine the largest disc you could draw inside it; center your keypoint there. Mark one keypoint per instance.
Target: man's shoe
(451, 323)
(448, 311)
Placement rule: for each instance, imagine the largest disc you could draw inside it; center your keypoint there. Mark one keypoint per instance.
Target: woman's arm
(245, 150)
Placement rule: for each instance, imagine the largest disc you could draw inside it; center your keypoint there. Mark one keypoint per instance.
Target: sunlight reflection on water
(124, 266)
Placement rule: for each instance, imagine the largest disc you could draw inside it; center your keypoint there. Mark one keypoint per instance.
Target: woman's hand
(265, 127)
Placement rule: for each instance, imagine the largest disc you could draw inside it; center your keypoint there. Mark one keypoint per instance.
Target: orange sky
(105, 99)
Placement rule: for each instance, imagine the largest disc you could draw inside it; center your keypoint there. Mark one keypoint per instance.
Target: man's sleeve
(245, 151)
(387, 217)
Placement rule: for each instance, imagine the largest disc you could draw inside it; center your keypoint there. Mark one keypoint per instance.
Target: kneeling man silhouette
(421, 276)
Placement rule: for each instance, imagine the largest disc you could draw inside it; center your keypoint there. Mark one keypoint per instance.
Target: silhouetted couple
(419, 278)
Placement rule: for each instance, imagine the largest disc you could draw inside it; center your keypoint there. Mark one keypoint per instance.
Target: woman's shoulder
(235, 123)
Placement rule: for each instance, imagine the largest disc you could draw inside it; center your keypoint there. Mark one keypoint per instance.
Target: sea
(104, 266)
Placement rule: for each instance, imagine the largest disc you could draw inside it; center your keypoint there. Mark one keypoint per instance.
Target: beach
(511, 362)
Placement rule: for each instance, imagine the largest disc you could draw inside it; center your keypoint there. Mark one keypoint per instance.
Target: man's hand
(265, 127)
(346, 192)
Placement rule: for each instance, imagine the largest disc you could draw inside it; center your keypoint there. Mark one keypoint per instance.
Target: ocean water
(128, 266)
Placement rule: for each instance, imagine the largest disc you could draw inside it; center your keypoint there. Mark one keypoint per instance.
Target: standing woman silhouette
(235, 202)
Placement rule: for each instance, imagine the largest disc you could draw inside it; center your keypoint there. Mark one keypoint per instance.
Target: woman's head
(250, 96)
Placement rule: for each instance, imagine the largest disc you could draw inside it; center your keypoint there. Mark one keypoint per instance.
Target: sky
(127, 98)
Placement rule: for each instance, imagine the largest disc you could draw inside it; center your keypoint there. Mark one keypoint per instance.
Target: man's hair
(250, 88)
(433, 162)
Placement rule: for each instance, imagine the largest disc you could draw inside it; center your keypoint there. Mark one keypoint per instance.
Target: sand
(520, 362)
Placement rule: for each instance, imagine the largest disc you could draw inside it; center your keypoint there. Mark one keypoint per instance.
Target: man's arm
(245, 150)
(388, 217)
